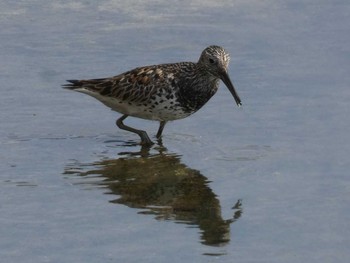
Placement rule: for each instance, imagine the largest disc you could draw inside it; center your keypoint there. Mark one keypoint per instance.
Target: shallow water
(267, 182)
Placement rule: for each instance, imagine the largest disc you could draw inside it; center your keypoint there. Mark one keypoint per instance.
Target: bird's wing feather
(136, 85)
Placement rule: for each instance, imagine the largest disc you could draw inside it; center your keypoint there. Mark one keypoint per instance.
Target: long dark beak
(226, 79)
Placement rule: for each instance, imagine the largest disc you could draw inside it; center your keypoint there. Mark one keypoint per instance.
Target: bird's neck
(197, 90)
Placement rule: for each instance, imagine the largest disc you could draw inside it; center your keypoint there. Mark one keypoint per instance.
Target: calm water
(265, 183)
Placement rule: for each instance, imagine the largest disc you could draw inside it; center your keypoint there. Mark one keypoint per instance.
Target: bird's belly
(160, 110)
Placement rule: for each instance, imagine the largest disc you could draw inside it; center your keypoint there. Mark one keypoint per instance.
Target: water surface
(264, 183)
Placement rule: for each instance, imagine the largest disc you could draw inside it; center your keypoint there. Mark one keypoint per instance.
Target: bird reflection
(161, 185)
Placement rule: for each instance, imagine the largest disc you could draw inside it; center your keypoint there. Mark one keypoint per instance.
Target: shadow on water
(160, 185)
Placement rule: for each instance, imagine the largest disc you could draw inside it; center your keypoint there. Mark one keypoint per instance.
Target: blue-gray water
(268, 182)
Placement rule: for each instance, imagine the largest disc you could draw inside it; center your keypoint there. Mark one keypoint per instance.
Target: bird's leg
(160, 130)
(145, 140)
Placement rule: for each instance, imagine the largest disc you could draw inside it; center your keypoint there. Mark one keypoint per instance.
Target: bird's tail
(91, 84)
(73, 84)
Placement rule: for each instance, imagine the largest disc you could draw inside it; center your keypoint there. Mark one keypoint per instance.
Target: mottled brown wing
(137, 85)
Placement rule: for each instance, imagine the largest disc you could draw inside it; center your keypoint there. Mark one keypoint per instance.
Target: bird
(163, 92)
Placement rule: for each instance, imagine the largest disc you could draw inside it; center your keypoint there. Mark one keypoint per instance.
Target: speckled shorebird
(162, 92)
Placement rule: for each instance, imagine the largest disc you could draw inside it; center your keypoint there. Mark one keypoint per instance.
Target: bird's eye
(211, 61)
